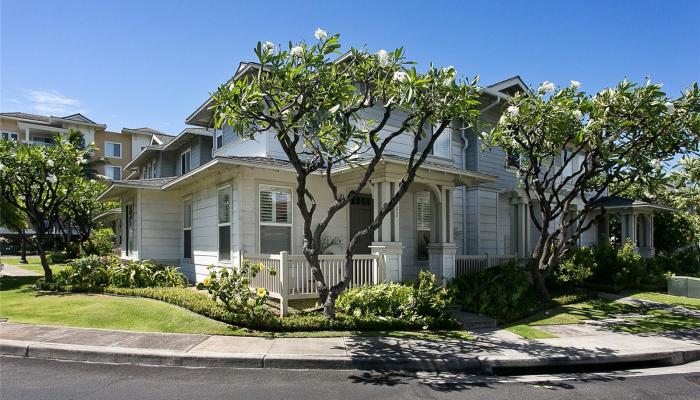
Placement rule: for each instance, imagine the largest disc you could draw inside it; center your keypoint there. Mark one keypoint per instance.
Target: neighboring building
(213, 198)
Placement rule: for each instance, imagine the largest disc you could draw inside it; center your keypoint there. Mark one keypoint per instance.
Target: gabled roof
(78, 117)
(27, 116)
(619, 202)
(510, 86)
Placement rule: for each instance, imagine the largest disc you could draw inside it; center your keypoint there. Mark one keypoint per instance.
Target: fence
(292, 277)
(465, 265)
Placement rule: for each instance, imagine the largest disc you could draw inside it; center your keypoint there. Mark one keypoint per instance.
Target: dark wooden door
(361, 211)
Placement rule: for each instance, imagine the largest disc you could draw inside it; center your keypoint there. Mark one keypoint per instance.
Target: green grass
(34, 264)
(599, 309)
(528, 332)
(687, 302)
(20, 302)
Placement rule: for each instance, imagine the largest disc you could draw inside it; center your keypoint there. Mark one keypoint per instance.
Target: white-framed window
(423, 224)
(113, 172)
(185, 161)
(113, 150)
(275, 216)
(10, 136)
(224, 222)
(443, 144)
(219, 139)
(129, 228)
(187, 229)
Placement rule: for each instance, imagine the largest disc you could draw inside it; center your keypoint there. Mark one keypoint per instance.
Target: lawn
(34, 264)
(20, 302)
(599, 309)
(687, 302)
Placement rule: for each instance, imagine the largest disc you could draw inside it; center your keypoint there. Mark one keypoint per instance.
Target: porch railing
(289, 276)
(469, 264)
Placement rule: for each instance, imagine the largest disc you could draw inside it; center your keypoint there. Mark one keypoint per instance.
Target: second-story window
(186, 161)
(443, 144)
(219, 138)
(113, 150)
(113, 172)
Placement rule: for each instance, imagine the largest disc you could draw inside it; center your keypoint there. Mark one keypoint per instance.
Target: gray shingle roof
(154, 182)
(23, 115)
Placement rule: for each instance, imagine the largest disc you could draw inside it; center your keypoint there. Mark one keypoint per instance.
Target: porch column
(386, 239)
(646, 248)
(26, 135)
(520, 227)
(441, 255)
(603, 227)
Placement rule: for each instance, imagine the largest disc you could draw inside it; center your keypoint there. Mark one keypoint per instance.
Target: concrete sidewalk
(487, 352)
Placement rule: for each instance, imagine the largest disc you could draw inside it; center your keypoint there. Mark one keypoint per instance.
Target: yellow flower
(206, 282)
(261, 292)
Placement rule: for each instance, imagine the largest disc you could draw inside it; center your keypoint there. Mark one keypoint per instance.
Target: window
(224, 215)
(10, 136)
(275, 219)
(219, 138)
(46, 141)
(185, 161)
(513, 160)
(113, 172)
(113, 150)
(148, 171)
(443, 143)
(423, 225)
(187, 229)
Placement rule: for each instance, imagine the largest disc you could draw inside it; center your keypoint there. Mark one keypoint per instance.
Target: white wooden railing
(468, 264)
(289, 276)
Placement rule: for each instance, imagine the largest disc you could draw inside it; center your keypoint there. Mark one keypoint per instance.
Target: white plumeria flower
(575, 84)
(320, 34)
(296, 51)
(49, 162)
(383, 57)
(590, 122)
(268, 48)
(578, 114)
(656, 164)
(2, 166)
(52, 178)
(513, 111)
(447, 69)
(400, 76)
(670, 107)
(546, 86)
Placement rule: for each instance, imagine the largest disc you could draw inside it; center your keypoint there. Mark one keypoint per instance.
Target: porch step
(470, 321)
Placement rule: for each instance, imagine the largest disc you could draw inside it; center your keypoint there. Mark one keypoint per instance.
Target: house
(211, 197)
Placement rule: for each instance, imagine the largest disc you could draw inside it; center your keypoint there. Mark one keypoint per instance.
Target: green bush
(95, 272)
(425, 302)
(101, 242)
(502, 292)
(576, 268)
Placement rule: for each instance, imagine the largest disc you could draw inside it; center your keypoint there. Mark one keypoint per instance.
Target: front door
(361, 215)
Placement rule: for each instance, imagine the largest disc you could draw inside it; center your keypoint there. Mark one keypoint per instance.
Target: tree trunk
(539, 281)
(23, 248)
(329, 305)
(48, 274)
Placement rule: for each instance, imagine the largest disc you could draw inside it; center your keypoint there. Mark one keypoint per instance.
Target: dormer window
(186, 161)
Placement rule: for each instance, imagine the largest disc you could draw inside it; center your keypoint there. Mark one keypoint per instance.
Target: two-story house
(211, 197)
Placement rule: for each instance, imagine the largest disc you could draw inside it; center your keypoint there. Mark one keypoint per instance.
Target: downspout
(464, 166)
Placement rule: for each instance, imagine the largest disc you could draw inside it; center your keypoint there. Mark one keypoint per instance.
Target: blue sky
(151, 63)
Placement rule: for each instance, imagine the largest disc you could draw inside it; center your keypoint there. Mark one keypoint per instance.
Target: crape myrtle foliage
(37, 180)
(312, 98)
(615, 138)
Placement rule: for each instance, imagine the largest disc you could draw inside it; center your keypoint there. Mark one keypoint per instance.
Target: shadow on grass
(16, 282)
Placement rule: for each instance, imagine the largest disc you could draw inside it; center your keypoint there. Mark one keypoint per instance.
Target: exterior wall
(105, 136)
(137, 142)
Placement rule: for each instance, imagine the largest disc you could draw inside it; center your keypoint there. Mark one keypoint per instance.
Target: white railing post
(284, 291)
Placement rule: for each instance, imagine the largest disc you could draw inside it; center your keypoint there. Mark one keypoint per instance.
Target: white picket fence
(465, 265)
(292, 277)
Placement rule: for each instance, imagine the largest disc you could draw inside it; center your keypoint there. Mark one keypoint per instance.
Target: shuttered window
(224, 218)
(423, 213)
(442, 145)
(275, 219)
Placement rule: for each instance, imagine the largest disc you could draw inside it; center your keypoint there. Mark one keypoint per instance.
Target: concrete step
(471, 321)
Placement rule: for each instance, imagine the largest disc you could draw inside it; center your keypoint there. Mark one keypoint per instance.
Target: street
(25, 378)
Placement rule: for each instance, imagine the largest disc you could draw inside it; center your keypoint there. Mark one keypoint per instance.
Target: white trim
(10, 135)
(188, 198)
(113, 156)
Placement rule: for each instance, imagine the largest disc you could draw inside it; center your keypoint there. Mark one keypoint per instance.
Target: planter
(684, 286)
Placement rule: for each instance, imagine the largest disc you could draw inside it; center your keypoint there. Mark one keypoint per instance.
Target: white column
(26, 135)
(385, 188)
(441, 255)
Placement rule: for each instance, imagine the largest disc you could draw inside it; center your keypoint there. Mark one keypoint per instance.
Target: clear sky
(151, 63)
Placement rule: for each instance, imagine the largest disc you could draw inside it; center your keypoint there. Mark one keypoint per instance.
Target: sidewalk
(488, 351)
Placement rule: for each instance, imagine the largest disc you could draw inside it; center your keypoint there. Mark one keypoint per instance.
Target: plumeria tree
(38, 180)
(82, 206)
(14, 220)
(314, 100)
(573, 149)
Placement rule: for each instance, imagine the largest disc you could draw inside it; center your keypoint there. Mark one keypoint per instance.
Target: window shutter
(423, 214)
(282, 207)
(265, 206)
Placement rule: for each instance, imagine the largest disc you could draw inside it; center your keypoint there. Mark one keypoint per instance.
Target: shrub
(94, 272)
(424, 302)
(576, 268)
(499, 292)
(101, 242)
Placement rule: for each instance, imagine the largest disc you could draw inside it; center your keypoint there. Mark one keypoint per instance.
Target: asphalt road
(23, 378)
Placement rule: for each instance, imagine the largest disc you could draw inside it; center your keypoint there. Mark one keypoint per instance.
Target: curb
(485, 365)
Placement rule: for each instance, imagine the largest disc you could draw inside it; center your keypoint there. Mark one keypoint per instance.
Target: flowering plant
(232, 286)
